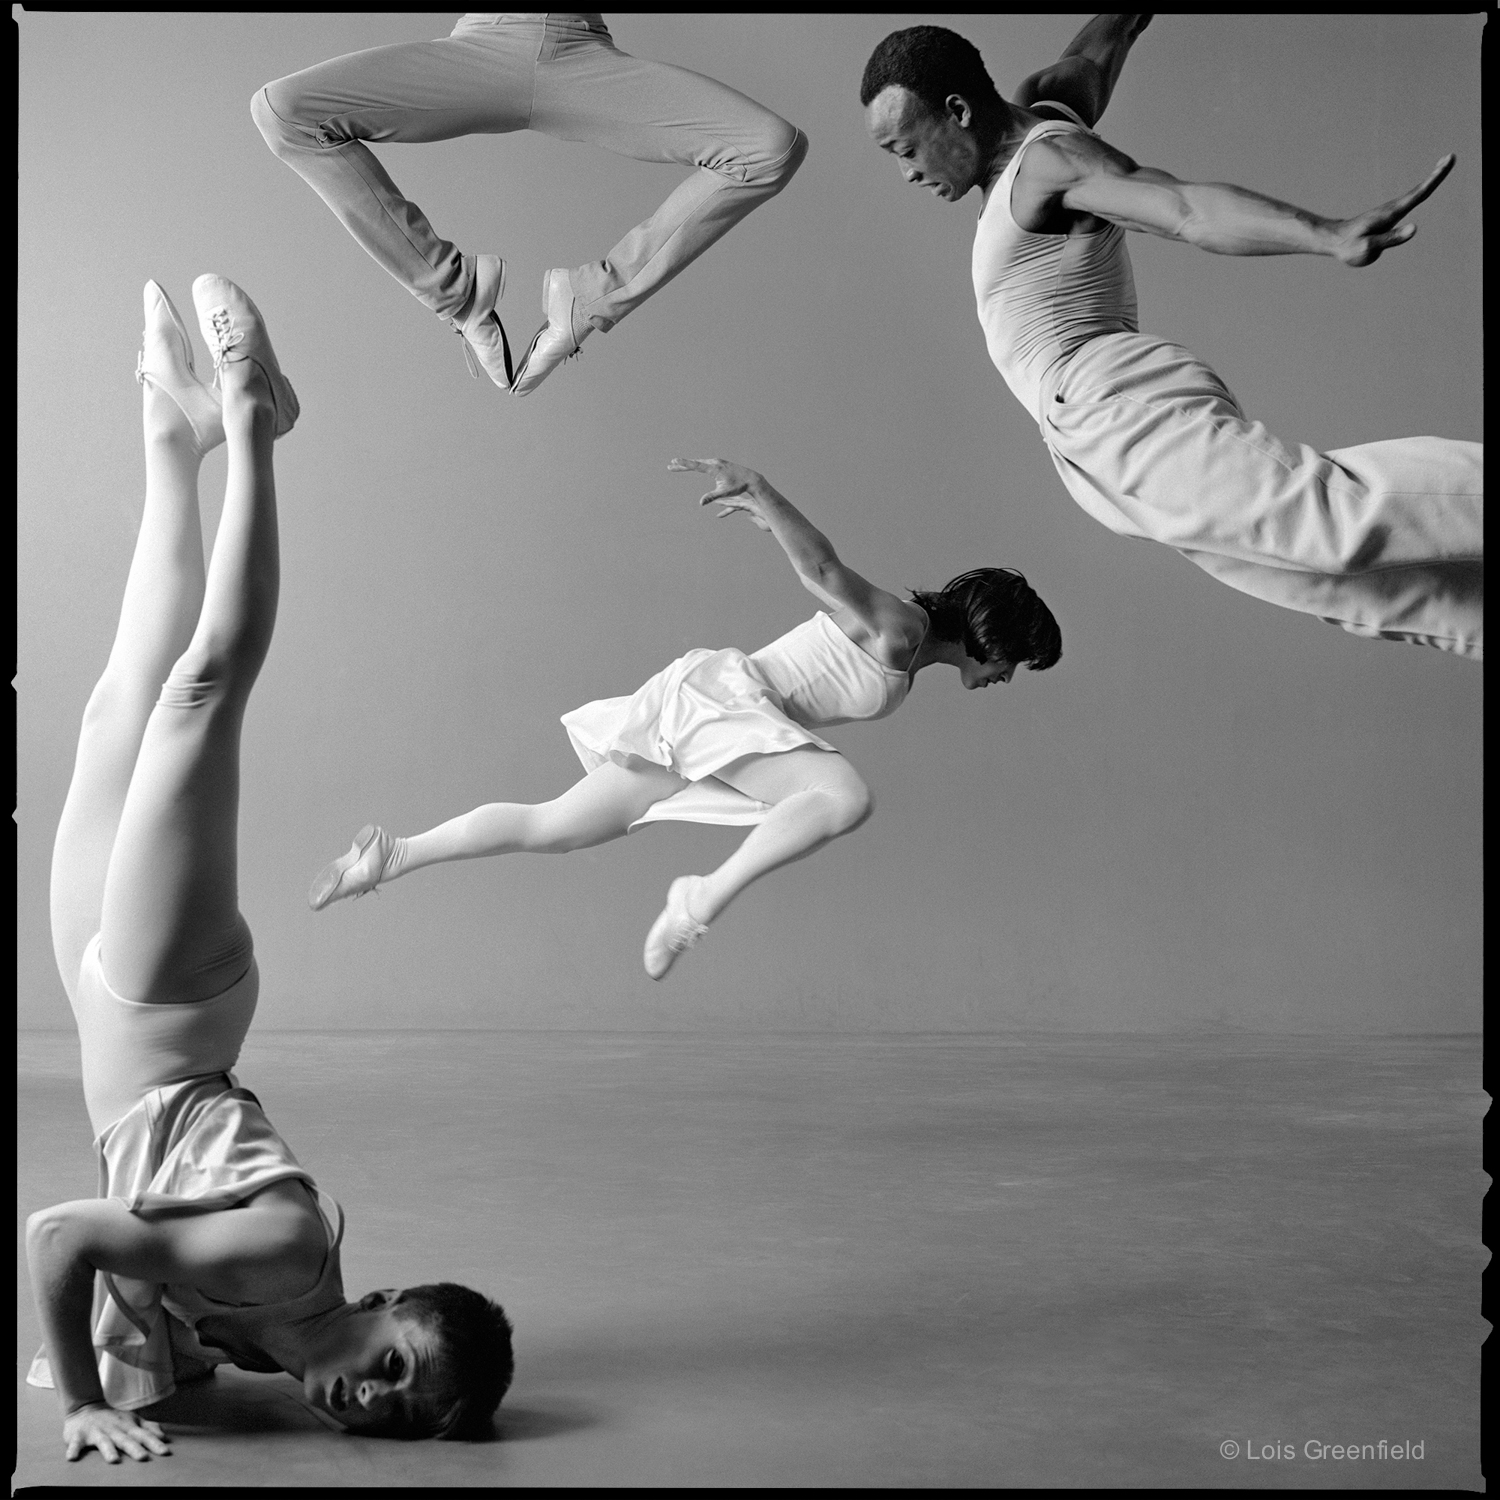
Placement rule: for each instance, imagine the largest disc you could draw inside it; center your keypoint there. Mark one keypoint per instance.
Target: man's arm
(1084, 77)
(1094, 178)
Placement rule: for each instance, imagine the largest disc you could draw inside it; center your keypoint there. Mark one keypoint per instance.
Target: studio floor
(882, 1261)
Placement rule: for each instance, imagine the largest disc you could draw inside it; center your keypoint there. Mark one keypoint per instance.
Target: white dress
(711, 708)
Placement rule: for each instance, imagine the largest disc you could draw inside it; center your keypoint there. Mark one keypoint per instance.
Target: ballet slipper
(165, 362)
(485, 345)
(234, 330)
(356, 873)
(556, 340)
(675, 930)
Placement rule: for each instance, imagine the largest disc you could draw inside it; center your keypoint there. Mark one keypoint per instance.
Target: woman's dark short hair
(474, 1364)
(933, 63)
(994, 612)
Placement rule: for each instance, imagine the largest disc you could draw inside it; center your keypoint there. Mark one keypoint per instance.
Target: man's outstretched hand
(1362, 240)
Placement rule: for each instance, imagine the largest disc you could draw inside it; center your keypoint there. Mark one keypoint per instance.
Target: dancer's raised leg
(163, 596)
(600, 807)
(171, 925)
(816, 796)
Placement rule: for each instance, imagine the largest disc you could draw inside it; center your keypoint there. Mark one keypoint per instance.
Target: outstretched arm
(1084, 77)
(874, 618)
(1218, 216)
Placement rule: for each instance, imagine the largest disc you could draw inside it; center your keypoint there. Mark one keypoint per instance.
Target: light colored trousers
(561, 75)
(1384, 539)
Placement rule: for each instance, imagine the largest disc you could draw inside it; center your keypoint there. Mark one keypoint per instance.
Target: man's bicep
(1111, 186)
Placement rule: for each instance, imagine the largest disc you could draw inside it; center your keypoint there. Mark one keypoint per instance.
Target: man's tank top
(823, 678)
(1042, 296)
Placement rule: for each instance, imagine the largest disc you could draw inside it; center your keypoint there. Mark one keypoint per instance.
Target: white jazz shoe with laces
(166, 363)
(356, 873)
(233, 329)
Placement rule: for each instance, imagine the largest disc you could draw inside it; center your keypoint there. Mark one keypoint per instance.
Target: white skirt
(696, 716)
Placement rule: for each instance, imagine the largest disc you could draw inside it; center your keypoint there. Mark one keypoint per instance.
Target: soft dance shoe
(356, 873)
(166, 362)
(675, 930)
(555, 340)
(233, 329)
(485, 344)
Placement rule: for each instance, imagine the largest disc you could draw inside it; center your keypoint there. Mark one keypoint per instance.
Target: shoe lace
(140, 367)
(686, 935)
(225, 337)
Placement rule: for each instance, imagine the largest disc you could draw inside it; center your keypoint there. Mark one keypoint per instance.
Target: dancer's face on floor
(978, 674)
(938, 151)
(369, 1367)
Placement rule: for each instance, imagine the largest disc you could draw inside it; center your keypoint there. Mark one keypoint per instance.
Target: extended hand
(112, 1433)
(733, 485)
(1362, 239)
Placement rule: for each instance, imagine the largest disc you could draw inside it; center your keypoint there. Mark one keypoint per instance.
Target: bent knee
(280, 112)
(781, 149)
(850, 802)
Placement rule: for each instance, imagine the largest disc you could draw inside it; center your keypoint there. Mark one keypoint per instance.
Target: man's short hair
(472, 1367)
(933, 63)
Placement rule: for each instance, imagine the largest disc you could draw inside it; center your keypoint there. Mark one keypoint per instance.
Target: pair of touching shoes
(233, 329)
(356, 873)
(485, 346)
(675, 930)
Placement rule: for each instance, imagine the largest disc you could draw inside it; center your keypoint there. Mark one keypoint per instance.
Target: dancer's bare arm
(228, 1254)
(1084, 77)
(1086, 175)
(883, 623)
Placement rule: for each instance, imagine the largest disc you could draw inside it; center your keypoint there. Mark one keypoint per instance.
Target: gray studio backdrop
(1210, 814)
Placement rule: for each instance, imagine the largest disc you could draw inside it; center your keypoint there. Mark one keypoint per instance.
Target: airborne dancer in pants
(560, 74)
(1385, 539)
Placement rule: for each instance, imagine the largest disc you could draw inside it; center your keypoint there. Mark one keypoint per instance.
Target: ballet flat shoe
(356, 873)
(233, 329)
(674, 931)
(485, 346)
(166, 362)
(555, 340)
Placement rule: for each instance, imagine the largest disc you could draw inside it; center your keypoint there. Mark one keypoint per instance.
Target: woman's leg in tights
(171, 925)
(163, 597)
(816, 796)
(600, 807)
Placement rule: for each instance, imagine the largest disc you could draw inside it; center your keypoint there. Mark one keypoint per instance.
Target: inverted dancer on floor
(1385, 539)
(722, 737)
(557, 73)
(208, 1244)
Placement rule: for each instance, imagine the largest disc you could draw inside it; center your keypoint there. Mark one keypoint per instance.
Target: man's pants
(561, 75)
(1385, 539)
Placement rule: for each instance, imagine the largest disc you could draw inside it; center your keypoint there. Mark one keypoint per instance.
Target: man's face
(937, 151)
(370, 1364)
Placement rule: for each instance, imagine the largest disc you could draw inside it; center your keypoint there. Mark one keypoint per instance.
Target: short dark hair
(932, 62)
(994, 612)
(473, 1367)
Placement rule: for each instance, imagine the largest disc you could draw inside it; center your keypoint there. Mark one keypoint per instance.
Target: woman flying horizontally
(722, 737)
(208, 1243)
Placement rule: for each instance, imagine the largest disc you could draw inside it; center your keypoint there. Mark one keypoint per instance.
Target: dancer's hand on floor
(112, 1433)
(1359, 241)
(735, 486)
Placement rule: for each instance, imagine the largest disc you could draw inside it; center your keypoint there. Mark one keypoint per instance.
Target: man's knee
(779, 151)
(281, 114)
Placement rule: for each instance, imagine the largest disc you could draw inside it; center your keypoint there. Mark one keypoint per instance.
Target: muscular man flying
(1385, 539)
